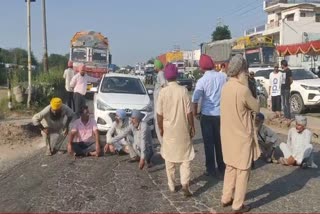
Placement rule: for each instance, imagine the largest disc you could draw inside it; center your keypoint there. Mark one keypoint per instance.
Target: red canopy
(310, 48)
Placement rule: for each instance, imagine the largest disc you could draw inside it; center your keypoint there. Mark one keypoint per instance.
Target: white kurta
(174, 105)
(298, 145)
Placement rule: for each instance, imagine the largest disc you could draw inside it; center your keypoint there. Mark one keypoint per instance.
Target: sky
(137, 29)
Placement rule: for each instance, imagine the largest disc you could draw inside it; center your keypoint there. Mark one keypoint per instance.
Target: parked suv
(305, 89)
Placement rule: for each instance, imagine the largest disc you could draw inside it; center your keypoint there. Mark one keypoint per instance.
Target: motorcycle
(262, 95)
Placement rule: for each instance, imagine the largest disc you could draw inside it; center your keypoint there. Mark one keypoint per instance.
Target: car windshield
(122, 85)
(182, 76)
(263, 73)
(99, 56)
(302, 74)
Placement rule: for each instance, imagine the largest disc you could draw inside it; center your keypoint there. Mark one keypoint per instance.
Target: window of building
(302, 14)
(317, 17)
(290, 17)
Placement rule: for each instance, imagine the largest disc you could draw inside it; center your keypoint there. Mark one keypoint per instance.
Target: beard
(56, 116)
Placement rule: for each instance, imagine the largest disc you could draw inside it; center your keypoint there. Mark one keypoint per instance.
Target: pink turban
(70, 64)
(206, 63)
(170, 71)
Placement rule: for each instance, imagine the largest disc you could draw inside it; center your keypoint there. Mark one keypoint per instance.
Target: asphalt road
(111, 184)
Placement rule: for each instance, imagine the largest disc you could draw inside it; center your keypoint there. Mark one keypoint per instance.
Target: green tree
(58, 61)
(221, 33)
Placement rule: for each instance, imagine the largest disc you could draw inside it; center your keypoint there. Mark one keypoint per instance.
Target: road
(111, 184)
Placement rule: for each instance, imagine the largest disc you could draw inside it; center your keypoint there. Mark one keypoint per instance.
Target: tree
(58, 61)
(221, 32)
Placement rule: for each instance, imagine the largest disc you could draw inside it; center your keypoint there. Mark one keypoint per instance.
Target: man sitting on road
(84, 137)
(267, 139)
(118, 127)
(298, 149)
(51, 121)
(142, 147)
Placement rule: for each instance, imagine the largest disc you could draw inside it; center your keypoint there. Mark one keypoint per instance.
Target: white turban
(301, 120)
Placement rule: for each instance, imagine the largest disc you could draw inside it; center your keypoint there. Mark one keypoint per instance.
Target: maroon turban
(206, 63)
(170, 71)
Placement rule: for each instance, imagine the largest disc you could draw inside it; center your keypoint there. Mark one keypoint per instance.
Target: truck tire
(296, 104)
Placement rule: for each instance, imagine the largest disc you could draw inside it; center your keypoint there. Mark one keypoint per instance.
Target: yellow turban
(55, 103)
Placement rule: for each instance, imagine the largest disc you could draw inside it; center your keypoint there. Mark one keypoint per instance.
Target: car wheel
(296, 103)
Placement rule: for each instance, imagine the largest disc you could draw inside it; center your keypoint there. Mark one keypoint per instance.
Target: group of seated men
(133, 137)
(296, 151)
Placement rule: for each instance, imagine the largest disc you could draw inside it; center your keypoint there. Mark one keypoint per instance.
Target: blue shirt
(209, 88)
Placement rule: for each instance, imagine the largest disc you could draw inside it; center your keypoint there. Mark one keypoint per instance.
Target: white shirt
(67, 75)
(79, 83)
(275, 83)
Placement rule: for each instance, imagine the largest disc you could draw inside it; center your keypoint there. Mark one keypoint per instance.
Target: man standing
(142, 148)
(160, 83)
(285, 90)
(298, 149)
(275, 79)
(67, 75)
(239, 140)
(79, 84)
(51, 121)
(84, 137)
(176, 125)
(208, 89)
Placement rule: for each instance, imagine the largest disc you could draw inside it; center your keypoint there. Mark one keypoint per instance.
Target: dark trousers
(70, 100)
(285, 96)
(210, 128)
(79, 102)
(83, 148)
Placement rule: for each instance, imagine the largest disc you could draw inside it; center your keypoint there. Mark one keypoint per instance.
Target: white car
(305, 89)
(121, 91)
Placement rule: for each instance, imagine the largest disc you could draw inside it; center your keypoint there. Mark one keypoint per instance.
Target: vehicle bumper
(105, 119)
(312, 98)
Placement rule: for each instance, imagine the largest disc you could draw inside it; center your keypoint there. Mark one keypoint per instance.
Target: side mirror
(110, 59)
(94, 89)
(150, 92)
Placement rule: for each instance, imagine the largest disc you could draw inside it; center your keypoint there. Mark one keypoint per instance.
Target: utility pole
(29, 53)
(45, 47)
(192, 57)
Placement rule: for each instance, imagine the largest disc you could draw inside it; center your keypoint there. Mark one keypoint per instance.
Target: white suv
(121, 91)
(305, 89)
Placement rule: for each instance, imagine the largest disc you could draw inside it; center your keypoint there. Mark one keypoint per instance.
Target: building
(189, 56)
(292, 22)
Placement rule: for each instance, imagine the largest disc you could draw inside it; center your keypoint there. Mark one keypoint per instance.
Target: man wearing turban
(67, 75)
(298, 149)
(118, 127)
(160, 83)
(208, 90)
(175, 121)
(51, 121)
(142, 147)
(238, 134)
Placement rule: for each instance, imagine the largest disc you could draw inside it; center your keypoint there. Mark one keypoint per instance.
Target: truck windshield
(79, 54)
(253, 56)
(268, 55)
(99, 56)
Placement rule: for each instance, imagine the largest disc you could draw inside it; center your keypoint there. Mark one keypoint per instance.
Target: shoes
(135, 159)
(243, 209)
(227, 204)
(186, 191)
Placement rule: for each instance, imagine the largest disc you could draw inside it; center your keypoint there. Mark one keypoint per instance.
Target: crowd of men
(232, 126)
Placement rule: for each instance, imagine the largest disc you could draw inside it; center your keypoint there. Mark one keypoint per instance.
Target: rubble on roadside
(12, 134)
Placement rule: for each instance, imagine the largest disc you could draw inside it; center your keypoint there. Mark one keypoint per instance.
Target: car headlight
(102, 106)
(309, 87)
(148, 107)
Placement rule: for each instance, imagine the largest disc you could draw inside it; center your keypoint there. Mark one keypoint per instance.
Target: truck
(174, 57)
(91, 49)
(258, 50)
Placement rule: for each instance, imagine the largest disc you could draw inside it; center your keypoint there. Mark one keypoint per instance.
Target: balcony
(269, 3)
(273, 25)
(255, 30)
